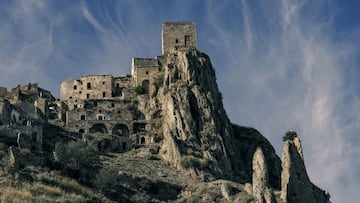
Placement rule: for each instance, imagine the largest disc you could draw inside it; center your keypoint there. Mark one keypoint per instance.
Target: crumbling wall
(73, 92)
(5, 111)
(143, 72)
(3, 92)
(178, 34)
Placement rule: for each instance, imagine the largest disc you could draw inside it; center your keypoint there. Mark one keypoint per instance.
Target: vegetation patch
(289, 136)
(193, 162)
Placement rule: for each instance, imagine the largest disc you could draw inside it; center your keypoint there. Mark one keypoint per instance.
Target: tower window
(176, 41)
(88, 85)
(87, 96)
(104, 94)
(82, 117)
(75, 87)
(117, 85)
(187, 40)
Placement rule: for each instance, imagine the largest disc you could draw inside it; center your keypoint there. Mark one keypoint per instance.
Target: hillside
(159, 134)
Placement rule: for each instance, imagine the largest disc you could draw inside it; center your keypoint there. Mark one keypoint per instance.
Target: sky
(281, 64)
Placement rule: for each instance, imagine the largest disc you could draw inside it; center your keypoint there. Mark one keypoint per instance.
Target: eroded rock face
(260, 182)
(198, 136)
(195, 127)
(296, 186)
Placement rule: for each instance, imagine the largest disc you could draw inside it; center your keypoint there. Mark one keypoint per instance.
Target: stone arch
(121, 130)
(142, 140)
(99, 128)
(145, 85)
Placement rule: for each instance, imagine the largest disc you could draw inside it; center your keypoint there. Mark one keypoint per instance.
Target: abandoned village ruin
(170, 104)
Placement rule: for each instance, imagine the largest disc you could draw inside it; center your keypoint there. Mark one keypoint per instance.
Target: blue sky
(281, 64)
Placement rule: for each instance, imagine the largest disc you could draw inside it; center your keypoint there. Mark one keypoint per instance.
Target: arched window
(142, 140)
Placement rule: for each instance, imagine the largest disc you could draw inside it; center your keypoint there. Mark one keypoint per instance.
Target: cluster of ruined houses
(99, 105)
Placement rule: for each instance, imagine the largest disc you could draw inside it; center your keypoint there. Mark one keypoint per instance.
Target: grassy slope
(35, 186)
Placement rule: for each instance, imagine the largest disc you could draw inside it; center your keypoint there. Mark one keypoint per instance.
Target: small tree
(77, 159)
(105, 180)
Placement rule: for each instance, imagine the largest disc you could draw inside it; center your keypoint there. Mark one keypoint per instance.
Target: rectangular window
(187, 40)
(88, 85)
(87, 96)
(75, 106)
(104, 94)
(75, 87)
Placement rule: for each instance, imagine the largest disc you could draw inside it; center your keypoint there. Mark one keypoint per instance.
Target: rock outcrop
(198, 135)
(260, 183)
(296, 186)
(195, 127)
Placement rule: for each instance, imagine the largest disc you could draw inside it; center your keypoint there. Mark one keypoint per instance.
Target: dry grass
(46, 187)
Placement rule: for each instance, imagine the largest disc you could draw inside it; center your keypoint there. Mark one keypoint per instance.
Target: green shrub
(194, 199)
(158, 138)
(159, 81)
(290, 135)
(77, 160)
(105, 179)
(193, 162)
(140, 90)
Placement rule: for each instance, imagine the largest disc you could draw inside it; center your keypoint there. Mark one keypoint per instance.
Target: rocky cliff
(200, 139)
(198, 155)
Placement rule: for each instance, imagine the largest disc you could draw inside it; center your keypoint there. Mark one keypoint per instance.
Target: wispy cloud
(281, 65)
(293, 75)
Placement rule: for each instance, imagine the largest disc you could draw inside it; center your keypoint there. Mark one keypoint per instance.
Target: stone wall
(3, 91)
(88, 87)
(178, 34)
(143, 72)
(122, 87)
(5, 111)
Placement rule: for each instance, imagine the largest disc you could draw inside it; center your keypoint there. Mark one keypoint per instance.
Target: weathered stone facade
(121, 106)
(178, 34)
(295, 183)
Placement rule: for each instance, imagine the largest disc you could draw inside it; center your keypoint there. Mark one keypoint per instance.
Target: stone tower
(178, 34)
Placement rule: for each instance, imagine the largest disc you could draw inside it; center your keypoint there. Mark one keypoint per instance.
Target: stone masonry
(108, 105)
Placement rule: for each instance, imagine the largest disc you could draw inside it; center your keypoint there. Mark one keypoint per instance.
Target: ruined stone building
(23, 112)
(119, 106)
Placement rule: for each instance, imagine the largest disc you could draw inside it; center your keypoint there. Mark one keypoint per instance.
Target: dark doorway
(99, 128)
(121, 130)
(142, 140)
(145, 86)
